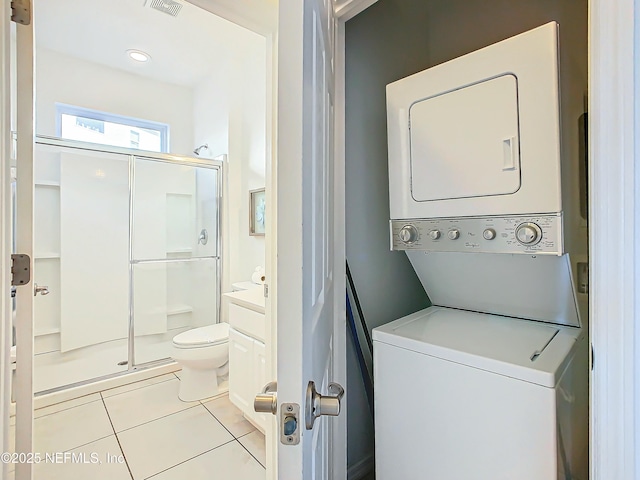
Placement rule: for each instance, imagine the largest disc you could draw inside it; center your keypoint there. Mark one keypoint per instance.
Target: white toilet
(203, 354)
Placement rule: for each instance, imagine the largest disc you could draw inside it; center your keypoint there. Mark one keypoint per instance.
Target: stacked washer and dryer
(491, 381)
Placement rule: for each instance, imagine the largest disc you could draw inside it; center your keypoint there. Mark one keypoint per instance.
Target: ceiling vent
(169, 7)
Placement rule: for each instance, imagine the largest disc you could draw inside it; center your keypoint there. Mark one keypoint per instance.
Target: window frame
(66, 109)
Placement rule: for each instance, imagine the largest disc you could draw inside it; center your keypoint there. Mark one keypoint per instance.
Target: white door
(5, 236)
(23, 104)
(309, 277)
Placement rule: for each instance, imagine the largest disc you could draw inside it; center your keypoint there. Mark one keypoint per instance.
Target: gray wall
(391, 40)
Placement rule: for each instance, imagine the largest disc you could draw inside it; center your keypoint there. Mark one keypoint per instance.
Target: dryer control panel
(526, 234)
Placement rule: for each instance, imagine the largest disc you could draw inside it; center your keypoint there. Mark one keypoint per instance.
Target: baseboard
(361, 468)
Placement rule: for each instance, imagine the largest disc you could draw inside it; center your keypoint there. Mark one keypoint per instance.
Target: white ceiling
(184, 49)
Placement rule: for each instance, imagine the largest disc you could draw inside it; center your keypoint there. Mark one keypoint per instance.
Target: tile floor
(142, 430)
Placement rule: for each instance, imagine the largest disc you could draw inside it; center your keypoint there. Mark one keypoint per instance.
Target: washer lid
(526, 350)
(210, 335)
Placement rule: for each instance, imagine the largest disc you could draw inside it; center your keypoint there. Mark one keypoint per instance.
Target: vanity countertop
(252, 298)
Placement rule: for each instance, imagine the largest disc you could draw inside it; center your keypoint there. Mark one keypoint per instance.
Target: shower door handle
(204, 237)
(40, 289)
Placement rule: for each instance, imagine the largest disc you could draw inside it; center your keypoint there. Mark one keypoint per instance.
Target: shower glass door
(174, 264)
(81, 250)
(128, 248)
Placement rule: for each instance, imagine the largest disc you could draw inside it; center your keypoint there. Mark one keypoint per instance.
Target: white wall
(64, 79)
(247, 158)
(230, 115)
(211, 114)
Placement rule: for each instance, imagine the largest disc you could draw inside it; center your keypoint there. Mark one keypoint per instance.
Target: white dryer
(491, 382)
(479, 135)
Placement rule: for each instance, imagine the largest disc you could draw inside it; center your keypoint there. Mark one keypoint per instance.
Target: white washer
(465, 395)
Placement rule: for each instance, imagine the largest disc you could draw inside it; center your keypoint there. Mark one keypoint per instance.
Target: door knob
(317, 404)
(42, 290)
(267, 400)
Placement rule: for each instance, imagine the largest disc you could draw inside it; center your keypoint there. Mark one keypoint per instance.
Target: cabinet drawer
(247, 321)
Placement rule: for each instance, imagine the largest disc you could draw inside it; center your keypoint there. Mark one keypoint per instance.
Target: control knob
(489, 234)
(453, 234)
(434, 234)
(528, 233)
(408, 234)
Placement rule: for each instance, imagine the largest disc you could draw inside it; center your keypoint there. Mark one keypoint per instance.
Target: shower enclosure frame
(168, 158)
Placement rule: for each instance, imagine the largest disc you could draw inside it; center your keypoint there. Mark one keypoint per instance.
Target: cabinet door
(241, 368)
(259, 376)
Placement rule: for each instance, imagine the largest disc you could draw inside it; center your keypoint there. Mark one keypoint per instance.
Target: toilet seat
(203, 336)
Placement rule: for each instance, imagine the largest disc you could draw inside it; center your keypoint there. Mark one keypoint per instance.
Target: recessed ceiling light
(138, 56)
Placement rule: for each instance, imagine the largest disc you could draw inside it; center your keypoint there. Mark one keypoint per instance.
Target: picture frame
(257, 212)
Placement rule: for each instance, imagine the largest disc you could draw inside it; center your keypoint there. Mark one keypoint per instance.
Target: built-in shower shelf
(180, 250)
(45, 255)
(179, 309)
(46, 183)
(46, 331)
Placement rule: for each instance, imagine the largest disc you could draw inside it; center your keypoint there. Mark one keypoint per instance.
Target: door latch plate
(20, 269)
(290, 424)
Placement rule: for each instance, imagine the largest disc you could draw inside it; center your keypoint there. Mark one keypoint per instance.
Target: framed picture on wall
(256, 212)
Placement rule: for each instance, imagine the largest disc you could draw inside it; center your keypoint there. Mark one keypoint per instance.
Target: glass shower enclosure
(128, 244)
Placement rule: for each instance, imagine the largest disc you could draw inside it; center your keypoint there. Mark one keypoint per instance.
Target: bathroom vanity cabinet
(247, 373)
(247, 352)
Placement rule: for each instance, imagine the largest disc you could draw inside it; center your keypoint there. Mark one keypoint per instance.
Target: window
(86, 125)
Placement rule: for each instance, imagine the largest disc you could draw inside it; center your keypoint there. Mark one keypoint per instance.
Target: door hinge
(266, 290)
(592, 358)
(20, 269)
(21, 11)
